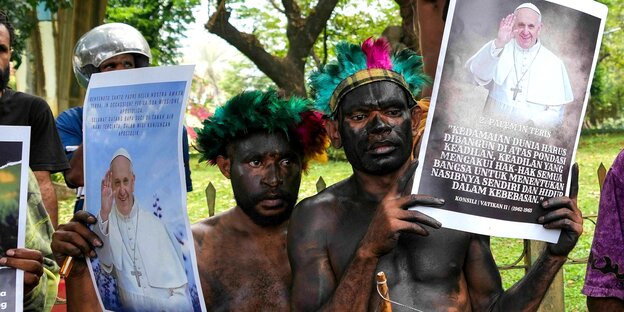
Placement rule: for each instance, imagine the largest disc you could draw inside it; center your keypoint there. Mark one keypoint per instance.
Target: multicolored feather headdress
(356, 66)
(253, 111)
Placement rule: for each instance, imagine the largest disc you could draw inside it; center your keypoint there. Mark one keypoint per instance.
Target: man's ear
(416, 116)
(224, 165)
(331, 126)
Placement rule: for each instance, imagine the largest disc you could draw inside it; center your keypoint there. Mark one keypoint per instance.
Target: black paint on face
(265, 170)
(376, 127)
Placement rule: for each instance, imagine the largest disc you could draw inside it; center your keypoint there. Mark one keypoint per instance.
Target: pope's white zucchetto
(121, 152)
(528, 5)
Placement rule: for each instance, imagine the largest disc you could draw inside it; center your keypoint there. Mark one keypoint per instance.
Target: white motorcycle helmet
(104, 42)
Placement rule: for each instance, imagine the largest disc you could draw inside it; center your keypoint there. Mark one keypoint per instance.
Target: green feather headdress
(253, 111)
(356, 66)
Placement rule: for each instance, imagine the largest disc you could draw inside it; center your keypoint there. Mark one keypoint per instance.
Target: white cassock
(139, 252)
(527, 86)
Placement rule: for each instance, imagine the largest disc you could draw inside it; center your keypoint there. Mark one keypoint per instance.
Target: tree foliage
(354, 21)
(162, 23)
(23, 16)
(304, 21)
(606, 105)
(285, 39)
(241, 76)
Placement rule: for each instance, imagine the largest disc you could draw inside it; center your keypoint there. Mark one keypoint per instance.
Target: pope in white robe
(138, 250)
(527, 83)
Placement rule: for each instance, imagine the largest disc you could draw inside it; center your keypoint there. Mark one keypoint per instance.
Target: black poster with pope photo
(509, 97)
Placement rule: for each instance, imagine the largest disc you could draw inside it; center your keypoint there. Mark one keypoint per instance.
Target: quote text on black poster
(500, 166)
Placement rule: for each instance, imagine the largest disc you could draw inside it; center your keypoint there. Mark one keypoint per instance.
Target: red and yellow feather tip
(313, 137)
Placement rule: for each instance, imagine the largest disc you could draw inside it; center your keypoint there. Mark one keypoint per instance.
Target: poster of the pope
(135, 187)
(510, 93)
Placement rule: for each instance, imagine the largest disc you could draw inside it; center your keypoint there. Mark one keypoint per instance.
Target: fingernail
(3, 261)
(10, 252)
(540, 220)
(441, 201)
(545, 203)
(91, 219)
(92, 254)
(439, 224)
(97, 243)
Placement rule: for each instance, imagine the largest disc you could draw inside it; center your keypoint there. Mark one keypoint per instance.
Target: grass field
(593, 149)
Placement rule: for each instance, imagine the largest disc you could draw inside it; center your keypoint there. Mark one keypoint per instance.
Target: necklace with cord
(391, 301)
(517, 88)
(135, 272)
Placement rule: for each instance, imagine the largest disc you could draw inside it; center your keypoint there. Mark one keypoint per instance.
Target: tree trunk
(409, 24)
(423, 27)
(302, 32)
(72, 24)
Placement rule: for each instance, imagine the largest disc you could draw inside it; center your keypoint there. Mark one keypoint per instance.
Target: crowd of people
(268, 252)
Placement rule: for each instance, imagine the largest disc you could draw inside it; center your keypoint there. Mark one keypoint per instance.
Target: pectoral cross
(136, 274)
(516, 90)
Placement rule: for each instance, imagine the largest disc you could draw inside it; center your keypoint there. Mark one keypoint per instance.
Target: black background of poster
(11, 152)
(569, 34)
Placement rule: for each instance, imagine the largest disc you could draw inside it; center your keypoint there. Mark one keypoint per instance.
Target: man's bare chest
(437, 256)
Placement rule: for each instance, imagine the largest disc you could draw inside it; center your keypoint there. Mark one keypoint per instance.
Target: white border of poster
(18, 134)
(142, 111)
(468, 26)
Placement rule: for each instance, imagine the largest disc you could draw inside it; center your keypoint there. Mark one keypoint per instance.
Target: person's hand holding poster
(506, 113)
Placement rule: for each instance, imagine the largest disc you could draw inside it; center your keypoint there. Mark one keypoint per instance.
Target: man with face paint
(261, 143)
(339, 238)
(527, 83)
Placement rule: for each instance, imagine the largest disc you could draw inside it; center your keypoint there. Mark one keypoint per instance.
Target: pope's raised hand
(505, 31)
(107, 195)
(392, 217)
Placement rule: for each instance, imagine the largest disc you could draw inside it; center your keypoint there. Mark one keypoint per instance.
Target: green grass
(593, 149)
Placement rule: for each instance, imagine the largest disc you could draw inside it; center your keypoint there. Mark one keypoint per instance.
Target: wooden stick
(382, 286)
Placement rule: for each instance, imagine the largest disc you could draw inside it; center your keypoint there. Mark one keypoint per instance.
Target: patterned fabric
(39, 237)
(364, 77)
(605, 267)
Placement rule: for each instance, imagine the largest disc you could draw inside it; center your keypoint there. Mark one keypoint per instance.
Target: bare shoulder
(207, 230)
(315, 219)
(323, 207)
